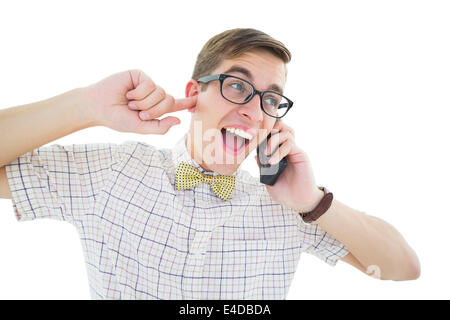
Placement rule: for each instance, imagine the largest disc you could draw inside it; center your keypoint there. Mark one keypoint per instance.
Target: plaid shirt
(142, 239)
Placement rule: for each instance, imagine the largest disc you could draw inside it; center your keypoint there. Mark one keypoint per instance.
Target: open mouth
(234, 140)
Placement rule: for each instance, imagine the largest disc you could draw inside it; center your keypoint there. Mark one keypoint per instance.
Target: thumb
(156, 126)
(185, 103)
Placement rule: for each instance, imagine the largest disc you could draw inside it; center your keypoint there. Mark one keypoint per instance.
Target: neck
(197, 155)
(192, 152)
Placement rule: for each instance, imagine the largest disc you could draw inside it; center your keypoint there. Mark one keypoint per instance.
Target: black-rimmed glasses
(240, 91)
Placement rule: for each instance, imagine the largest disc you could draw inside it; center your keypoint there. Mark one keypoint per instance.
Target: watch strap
(320, 209)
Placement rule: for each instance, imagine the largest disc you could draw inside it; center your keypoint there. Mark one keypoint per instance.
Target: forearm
(372, 241)
(24, 128)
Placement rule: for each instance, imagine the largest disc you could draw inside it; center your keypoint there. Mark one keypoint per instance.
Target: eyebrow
(248, 74)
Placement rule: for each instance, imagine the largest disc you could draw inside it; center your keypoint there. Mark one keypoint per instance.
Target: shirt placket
(193, 272)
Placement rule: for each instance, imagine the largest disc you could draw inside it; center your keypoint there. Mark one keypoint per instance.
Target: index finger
(185, 103)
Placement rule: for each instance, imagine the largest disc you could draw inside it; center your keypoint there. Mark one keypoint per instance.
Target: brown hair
(233, 43)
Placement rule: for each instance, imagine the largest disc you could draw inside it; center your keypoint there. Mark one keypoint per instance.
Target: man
(187, 222)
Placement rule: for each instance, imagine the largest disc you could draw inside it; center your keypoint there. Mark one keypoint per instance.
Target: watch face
(306, 222)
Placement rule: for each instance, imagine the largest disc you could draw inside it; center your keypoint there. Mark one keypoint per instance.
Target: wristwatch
(320, 209)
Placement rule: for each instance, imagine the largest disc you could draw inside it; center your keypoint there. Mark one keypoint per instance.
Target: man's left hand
(295, 187)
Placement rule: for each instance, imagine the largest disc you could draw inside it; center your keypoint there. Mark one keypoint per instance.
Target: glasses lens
(275, 104)
(236, 90)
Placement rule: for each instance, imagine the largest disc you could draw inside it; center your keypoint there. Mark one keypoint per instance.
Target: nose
(252, 109)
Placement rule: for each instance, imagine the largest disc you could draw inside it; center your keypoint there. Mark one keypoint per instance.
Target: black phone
(268, 174)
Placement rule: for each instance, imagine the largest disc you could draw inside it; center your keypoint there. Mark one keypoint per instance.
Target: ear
(192, 89)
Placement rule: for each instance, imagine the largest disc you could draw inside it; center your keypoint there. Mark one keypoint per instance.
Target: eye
(271, 101)
(237, 86)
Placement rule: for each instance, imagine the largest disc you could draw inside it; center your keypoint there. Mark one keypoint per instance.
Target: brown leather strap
(321, 208)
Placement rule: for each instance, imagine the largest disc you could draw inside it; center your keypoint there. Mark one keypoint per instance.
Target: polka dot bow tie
(187, 177)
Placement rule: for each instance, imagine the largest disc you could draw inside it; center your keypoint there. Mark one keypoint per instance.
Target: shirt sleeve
(61, 181)
(320, 243)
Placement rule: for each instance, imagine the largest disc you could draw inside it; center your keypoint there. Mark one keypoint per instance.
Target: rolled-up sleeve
(61, 181)
(320, 243)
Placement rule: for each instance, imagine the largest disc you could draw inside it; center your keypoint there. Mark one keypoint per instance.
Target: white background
(370, 81)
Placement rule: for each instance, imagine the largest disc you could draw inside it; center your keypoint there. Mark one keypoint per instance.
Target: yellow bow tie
(187, 177)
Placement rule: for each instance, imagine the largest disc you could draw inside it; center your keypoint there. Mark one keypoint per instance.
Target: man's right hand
(122, 102)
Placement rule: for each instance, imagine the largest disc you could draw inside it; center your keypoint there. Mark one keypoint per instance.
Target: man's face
(210, 144)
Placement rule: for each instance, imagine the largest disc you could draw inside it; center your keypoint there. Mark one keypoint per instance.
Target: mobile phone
(268, 174)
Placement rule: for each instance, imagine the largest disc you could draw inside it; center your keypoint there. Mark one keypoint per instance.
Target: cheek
(212, 109)
(266, 128)
(268, 123)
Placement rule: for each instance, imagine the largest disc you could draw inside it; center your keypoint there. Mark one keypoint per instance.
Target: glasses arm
(209, 78)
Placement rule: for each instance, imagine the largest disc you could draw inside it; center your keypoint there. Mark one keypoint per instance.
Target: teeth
(239, 132)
